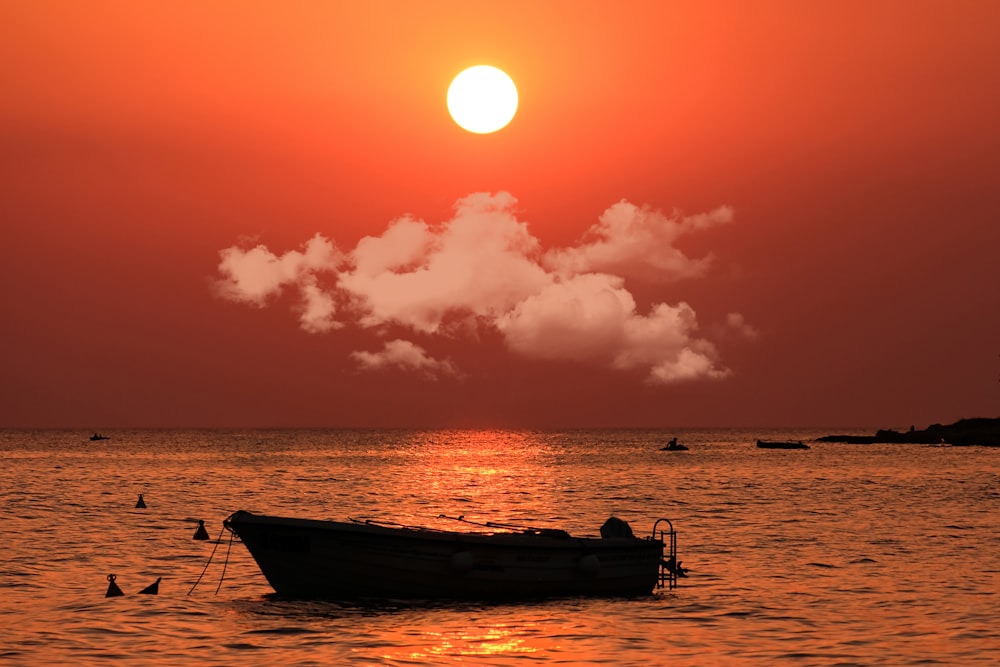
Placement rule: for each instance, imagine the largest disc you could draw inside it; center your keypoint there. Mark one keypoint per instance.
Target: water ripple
(846, 556)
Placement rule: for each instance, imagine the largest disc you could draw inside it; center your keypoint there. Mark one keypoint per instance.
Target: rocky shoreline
(981, 431)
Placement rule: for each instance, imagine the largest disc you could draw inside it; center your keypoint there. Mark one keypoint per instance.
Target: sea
(840, 554)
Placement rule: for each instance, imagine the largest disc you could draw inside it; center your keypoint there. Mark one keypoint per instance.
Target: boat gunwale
(504, 538)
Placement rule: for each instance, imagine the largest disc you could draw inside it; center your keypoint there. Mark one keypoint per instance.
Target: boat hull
(334, 560)
(788, 444)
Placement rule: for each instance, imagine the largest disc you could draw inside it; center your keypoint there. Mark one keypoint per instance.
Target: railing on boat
(669, 566)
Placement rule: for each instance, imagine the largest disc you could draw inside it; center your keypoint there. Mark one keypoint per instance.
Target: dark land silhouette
(981, 431)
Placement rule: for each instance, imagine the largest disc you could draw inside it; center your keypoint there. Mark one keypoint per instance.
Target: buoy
(140, 504)
(201, 533)
(152, 589)
(113, 590)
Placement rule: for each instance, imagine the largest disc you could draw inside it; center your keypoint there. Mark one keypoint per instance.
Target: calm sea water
(839, 555)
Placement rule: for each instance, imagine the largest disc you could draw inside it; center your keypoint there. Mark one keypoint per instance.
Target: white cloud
(254, 276)
(635, 241)
(317, 308)
(483, 266)
(405, 355)
(577, 319)
(665, 342)
(478, 263)
(689, 364)
(404, 244)
(593, 318)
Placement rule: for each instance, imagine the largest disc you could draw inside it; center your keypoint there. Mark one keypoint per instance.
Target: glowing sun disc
(482, 99)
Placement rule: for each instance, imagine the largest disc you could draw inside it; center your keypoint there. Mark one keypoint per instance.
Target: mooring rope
(225, 563)
(211, 556)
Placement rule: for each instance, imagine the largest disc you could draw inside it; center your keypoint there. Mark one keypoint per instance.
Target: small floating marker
(113, 590)
(140, 504)
(152, 589)
(201, 533)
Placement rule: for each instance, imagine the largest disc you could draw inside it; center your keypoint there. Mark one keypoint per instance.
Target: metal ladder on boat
(669, 565)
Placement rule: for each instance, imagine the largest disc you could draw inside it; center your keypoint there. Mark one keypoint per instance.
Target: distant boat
(782, 444)
(98, 436)
(674, 446)
(364, 559)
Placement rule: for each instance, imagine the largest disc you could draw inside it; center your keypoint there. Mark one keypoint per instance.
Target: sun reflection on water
(492, 642)
(479, 475)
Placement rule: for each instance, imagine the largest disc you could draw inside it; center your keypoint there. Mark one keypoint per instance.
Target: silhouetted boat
(782, 444)
(364, 559)
(674, 446)
(98, 436)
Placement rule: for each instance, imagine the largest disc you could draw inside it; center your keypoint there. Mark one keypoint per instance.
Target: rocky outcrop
(981, 431)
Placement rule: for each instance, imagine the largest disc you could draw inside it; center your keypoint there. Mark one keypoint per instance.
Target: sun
(482, 99)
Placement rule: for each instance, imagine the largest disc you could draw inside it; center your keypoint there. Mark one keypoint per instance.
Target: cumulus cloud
(405, 355)
(480, 263)
(666, 343)
(581, 318)
(634, 241)
(593, 318)
(485, 269)
(257, 275)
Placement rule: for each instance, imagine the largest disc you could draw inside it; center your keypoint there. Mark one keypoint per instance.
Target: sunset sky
(703, 214)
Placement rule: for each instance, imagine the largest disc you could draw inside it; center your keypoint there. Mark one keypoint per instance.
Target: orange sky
(808, 234)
